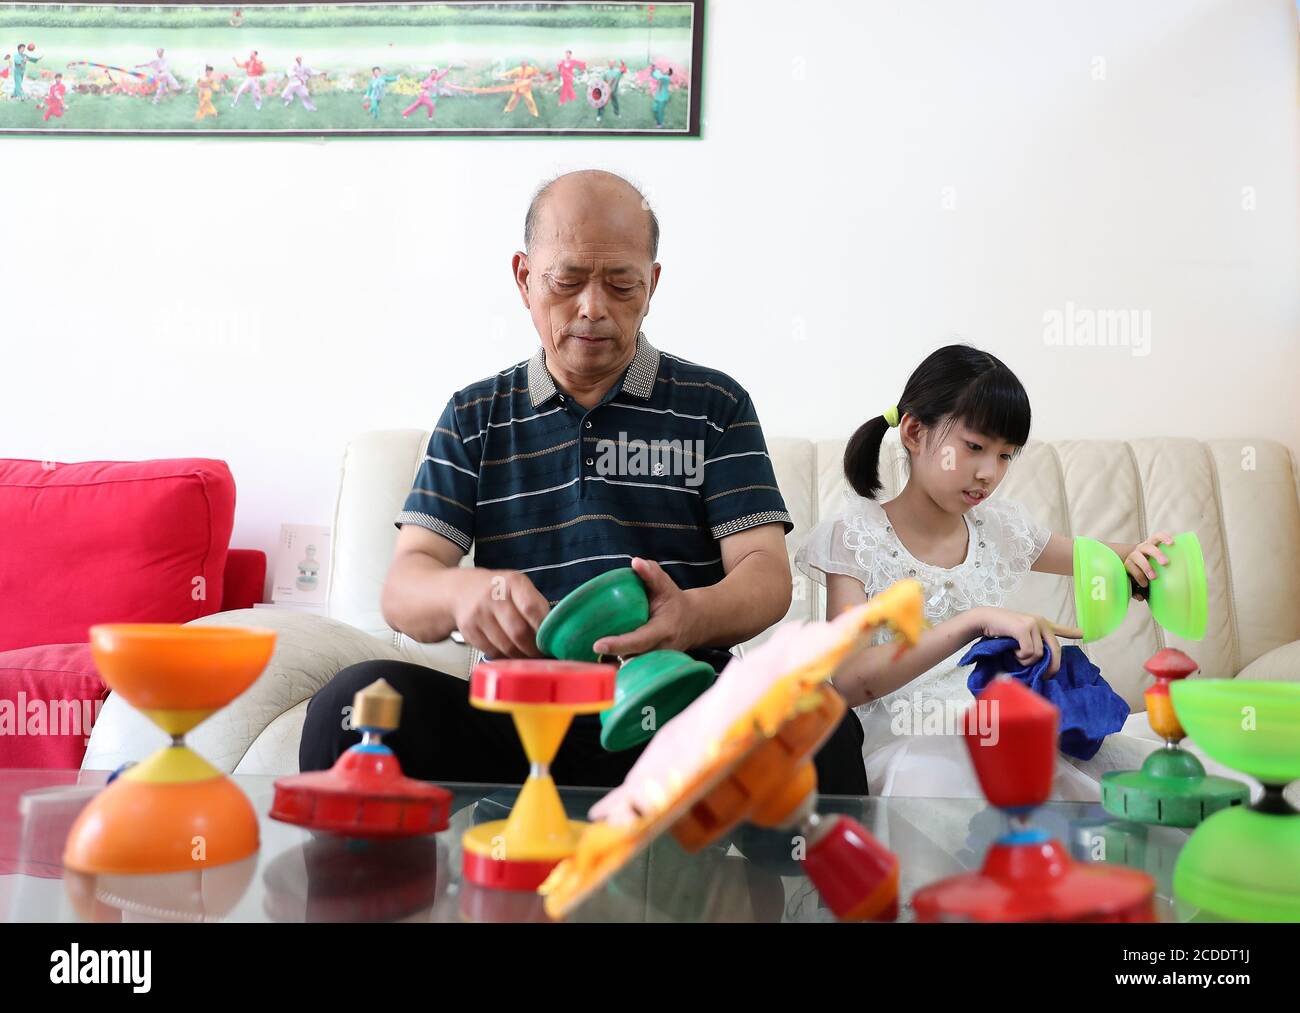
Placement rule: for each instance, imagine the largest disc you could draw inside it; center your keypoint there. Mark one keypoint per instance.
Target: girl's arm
(881, 669)
(1058, 556)
(874, 672)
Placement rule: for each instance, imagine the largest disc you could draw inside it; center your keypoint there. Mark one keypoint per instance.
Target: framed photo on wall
(352, 69)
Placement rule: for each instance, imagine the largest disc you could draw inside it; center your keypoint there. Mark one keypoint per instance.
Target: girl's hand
(1029, 630)
(1137, 563)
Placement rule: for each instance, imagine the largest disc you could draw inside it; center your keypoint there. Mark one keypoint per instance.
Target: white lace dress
(911, 746)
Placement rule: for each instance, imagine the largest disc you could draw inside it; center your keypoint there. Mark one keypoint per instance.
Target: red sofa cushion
(110, 541)
(244, 579)
(49, 698)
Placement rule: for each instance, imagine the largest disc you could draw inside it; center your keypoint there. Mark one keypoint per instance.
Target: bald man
(597, 452)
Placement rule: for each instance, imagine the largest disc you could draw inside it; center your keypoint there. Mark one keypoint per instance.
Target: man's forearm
(749, 599)
(417, 596)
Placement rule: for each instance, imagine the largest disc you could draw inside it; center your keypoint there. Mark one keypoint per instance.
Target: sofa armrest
(1282, 664)
(309, 651)
(244, 579)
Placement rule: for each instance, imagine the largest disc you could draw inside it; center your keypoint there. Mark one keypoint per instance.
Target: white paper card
(302, 561)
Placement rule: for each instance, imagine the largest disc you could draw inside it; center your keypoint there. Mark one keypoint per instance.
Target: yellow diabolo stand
(542, 696)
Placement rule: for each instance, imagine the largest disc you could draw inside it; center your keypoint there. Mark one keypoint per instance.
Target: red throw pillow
(110, 541)
(50, 697)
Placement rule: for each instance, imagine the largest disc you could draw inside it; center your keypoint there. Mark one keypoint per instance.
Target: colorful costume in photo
(207, 85)
(425, 98)
(566, 69)
(524, 76)
(122, 86)
(106, 67)
(20, 70)
(299, 74)
(162, 77)
(254, 69)
(613, 76)
(660, 97)
(54, 100)
(522, 87)
(375, 93)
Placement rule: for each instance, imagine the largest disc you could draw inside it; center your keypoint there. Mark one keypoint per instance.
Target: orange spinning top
(542, 696)
(743, 751)
(173, 811)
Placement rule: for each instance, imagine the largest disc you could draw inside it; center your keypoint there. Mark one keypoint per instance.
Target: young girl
(962, 419)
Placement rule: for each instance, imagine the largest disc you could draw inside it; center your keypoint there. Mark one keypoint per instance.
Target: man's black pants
(443, 738)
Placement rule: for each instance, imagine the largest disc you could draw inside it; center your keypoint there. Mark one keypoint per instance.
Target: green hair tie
(891, 416)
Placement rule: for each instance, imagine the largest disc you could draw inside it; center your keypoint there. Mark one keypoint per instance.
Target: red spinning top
(855, 874)
(1027, 876)
(1011, 733)
(365, 793)
(1167, 665)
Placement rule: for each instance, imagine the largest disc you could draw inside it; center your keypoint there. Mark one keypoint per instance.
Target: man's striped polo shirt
(671, 460)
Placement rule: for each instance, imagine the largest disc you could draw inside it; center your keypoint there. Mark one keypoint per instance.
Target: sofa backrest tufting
(1240, 496)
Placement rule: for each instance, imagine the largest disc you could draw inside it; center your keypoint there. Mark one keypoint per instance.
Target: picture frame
(335, 69)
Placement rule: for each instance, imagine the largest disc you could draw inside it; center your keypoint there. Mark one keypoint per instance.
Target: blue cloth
(1090, 709)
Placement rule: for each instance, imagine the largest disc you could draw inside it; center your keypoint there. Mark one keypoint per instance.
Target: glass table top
(297, 876)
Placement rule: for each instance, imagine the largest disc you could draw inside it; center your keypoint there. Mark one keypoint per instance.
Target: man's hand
(669, 626)
(428, 595)
(498, 611)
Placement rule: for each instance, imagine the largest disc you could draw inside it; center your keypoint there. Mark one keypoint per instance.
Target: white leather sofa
(1241, 496)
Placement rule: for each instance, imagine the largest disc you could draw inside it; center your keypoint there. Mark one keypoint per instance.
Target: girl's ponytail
(862, 457)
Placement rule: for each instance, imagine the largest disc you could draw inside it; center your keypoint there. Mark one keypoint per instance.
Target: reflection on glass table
(752, 876)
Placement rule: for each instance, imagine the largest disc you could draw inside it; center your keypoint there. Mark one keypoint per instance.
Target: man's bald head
(581, 193)
(587, 275)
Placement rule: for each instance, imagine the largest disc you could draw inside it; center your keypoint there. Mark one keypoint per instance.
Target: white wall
(261, 301)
